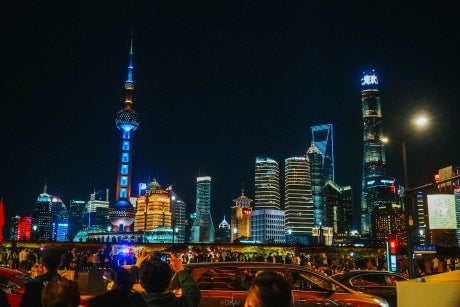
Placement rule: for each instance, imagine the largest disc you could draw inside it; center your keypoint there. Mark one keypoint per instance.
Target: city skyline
(217, 85)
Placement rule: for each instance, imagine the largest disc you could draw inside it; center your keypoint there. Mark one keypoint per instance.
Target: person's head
(61, 292)
(155, 274)
(269, 289)
(122, 279)
(51, 258)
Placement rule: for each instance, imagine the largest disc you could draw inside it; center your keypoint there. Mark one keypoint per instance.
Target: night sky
(217, 83)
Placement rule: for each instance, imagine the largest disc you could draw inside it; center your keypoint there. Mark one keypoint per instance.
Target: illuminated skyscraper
(223, 232)
(153, 208)
(240, 222)
(267, 186)
(374, 180)
(97, 211)
(298, 199)
(121, 214)
(203, 228)
(315, 160)
(76, 215)
(179, 218)
(42, 217)
(24, 228)
(323, 137)
(60, 220)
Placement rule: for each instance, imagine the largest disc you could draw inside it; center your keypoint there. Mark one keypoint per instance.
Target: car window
(220, 279)
(392, 280)
(369, 280)
(309, 282)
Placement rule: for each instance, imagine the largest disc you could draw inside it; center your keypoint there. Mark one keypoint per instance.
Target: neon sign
(369, 79)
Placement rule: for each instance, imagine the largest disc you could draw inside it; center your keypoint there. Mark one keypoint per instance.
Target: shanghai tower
(121, 214)
(374, 164)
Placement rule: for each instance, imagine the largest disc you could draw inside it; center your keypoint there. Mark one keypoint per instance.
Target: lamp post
(420, 121)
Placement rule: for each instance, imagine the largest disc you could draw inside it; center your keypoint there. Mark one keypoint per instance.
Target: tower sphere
(127, 119)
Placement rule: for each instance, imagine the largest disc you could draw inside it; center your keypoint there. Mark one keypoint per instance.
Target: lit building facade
(323, 137)
(121, 214)
(24, 228)
(202, 230)
(179, 218)
(381, 193)
(388, 219)
(42, 217)
(153, 209)
(457, 213)
(267, 226)
(223, 232)
(240, 222)
(315, 160)
(97, 212)
(298, 198)
(14, 222)
(76, 215)
(267, 186)
(374, 161)
(338, 202)
(60, 220)
(421, 218)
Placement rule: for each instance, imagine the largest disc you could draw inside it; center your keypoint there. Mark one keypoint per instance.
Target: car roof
(253, 265)
(344, 275)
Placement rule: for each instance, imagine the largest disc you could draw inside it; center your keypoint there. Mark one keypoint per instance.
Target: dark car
(12, 283)
(380, 283)
(227, 283)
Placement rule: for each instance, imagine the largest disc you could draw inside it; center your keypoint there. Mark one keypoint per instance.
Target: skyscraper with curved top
(374, 180)
(121, 214)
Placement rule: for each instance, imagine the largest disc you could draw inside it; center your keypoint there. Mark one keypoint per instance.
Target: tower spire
(129, 83)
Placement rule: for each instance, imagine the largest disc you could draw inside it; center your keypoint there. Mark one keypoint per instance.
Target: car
(380, 283)
(12, 283)
(227, 284)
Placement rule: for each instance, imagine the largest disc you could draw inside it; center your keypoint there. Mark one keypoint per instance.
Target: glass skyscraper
(374, 180)
(267, 186)
(298, 198)
(203, 228)
(315, 159)
(323, 137)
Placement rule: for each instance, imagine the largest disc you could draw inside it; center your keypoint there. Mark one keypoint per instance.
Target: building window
(125, 145)
(124, 169)
(124, 157)
(123, 181)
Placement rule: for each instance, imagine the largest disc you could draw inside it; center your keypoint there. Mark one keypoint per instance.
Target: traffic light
(393, 245)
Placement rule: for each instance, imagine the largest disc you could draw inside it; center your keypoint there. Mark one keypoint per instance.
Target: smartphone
(165, 258)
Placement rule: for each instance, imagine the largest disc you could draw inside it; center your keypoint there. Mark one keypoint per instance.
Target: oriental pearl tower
(121, 214)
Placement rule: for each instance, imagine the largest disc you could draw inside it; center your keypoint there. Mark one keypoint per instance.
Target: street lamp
(420, 121)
